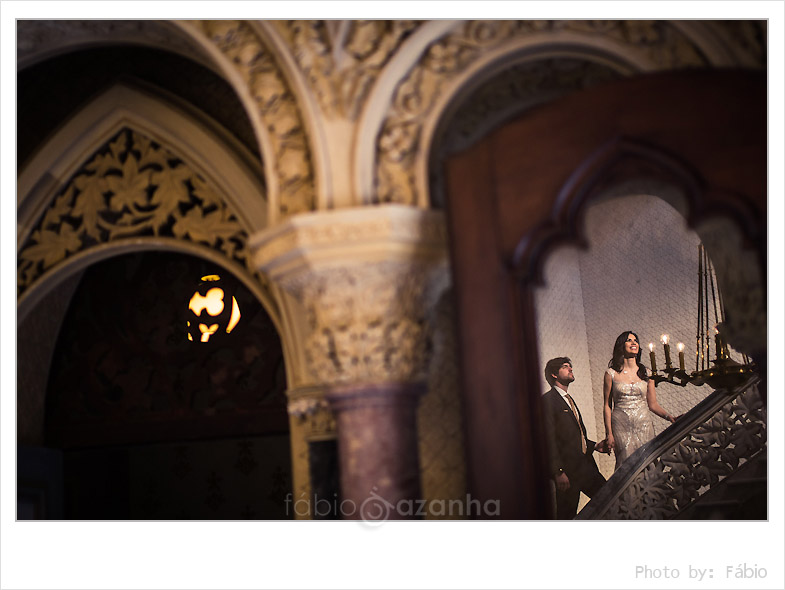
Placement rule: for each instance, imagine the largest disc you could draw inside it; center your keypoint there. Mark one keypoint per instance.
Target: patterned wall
(439, 417)
(124, 371)
(155, 426)
(638, 274)
(561, 324)
(215, 480)
(223, 479)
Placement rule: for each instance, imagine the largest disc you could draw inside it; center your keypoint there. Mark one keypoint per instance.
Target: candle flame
(651, 346)
(664, 338)
(681, 346)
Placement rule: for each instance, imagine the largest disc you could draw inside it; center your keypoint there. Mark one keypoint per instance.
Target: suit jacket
(564, 437)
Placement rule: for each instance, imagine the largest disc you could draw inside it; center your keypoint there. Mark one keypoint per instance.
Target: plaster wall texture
(639, 273)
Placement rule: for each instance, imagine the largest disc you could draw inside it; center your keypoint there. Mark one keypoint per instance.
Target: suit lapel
(566, 406)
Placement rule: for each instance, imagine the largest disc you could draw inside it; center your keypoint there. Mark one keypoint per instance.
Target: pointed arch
(619, 159)
(192, 184)
(705, 131)
(454, 58)
(254, 71)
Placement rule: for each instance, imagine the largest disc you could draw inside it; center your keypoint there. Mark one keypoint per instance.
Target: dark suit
(564, 434)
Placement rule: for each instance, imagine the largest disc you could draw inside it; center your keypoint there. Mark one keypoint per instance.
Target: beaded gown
(631, 421)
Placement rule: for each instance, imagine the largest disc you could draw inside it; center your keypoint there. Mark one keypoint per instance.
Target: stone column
(365, 278)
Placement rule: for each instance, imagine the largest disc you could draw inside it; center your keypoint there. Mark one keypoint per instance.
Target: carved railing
(671, 472)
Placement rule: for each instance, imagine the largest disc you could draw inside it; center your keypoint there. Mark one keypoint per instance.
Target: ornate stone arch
(727, 223)
(131, 171)
(39, 40)
(253, 69)
(245, 55)
(460, 58)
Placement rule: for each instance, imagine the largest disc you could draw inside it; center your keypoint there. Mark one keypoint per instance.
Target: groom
(572, 465)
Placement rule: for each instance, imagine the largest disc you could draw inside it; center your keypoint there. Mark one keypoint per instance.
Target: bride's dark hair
(618, 355)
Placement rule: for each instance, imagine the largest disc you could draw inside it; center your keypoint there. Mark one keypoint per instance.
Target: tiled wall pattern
(561, 324)
(640, 274)
(240, 479)
(440, 420)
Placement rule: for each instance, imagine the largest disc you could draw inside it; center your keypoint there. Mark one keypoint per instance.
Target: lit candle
(667, 351)
(651, 356)
(681, 355)
(718, 343)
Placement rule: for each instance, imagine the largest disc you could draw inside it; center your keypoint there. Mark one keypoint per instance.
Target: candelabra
(725, 372)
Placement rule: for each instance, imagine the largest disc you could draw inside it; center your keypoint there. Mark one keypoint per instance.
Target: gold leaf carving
(172, 188)
(129, 187)
(59, 208)
(51, 247)
(89, 202)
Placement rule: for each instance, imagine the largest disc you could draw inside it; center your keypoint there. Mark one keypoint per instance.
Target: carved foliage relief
(130, 187)
(399, 143)
(277, 108)
(341, 59)
(366, 324)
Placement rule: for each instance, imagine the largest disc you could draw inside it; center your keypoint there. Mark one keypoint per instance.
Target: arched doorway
(130, 170)
(153, 425)
(508, 211)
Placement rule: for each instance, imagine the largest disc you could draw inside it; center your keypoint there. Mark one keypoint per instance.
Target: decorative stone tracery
(341, 59)
(365, 279)
(678, 476)
(130, 187)
(366, 320)
(400, 145)
(257, 66)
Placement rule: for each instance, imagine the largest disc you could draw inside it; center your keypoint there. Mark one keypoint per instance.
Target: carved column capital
(308, 408)
(366, 278)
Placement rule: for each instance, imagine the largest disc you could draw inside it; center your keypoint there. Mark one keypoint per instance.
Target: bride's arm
(654, 406)
(606, 408)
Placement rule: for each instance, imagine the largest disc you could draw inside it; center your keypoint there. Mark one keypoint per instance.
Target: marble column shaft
(364, 280)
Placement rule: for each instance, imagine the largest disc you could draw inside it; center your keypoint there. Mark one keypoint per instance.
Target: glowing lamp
(211, 310)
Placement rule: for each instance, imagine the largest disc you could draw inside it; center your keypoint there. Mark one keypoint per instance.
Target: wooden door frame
(522, 191)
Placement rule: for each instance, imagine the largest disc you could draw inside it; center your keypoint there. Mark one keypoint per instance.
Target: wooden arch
(515, 196)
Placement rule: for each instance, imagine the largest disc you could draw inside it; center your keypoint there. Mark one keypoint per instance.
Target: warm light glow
(680, 346)
(651, 346)
(235, 316)
(664, 338)
(213, 302)
(207, 331)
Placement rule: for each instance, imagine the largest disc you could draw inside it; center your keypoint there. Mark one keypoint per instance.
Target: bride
(628, 395)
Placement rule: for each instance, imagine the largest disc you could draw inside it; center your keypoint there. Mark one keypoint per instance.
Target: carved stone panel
(400, 145)
(341, 59)
(365, 279)
(130, 187)
(277, 108)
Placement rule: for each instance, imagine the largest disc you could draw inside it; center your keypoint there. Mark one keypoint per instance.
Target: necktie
(578, 420)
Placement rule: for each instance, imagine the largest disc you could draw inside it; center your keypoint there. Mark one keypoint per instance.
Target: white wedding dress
(631, 421)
